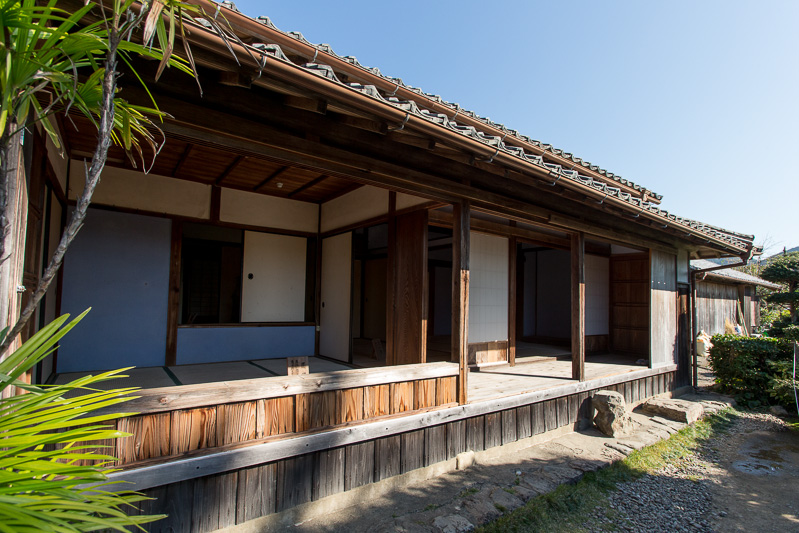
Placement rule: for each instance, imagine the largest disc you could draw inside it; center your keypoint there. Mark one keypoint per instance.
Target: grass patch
(468, 492)
(569, 507)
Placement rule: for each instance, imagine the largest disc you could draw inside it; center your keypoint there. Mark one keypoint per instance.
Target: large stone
(453, 524)
(674, 409)
(611, 417)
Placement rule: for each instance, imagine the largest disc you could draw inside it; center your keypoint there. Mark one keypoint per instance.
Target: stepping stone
(674, 409)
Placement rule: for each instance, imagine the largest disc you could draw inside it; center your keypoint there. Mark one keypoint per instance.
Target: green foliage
(742, 365)
(46, 439)
(778, 326)
(791, 333)
(782, 269)
(782, 384)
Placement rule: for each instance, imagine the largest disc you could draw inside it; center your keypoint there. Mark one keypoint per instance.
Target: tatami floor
(541, 372)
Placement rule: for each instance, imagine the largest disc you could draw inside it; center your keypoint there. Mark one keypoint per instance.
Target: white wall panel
(488, 290)
(137, 190)
(597, 295)
(276, 292)
(334, 337)
(253, 209)
(406, 200)
(356, 206)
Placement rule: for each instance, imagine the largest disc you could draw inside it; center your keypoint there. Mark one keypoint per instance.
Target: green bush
(781, 384)
(743, 365)
(791, 333)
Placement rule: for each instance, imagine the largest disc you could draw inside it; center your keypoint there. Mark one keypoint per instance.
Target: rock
(464, 460)
(611, 418)
(778, 410)
(453, 524)
(674, 409)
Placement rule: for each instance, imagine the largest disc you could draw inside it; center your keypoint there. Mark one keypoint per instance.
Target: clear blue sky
(695, 100)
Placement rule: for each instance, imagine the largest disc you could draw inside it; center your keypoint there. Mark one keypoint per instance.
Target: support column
(512, 301)
(173, 300)
(578, 305)
(460, 294)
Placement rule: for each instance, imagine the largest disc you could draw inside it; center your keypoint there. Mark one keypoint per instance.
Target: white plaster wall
(137, 190)
(597, 295)
(334, 338)
(407, 200)
(488, 290)
(276, 293)
(356, 206)
(529, 290)
(253, 209)
(683, 267)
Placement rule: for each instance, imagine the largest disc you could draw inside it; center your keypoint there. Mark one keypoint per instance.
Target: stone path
(499, 482)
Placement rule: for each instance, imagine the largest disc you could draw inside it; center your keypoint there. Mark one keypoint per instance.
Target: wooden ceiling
(184, 159)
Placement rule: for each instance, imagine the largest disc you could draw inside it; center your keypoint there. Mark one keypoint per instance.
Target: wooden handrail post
(578, 305)
(460, 294)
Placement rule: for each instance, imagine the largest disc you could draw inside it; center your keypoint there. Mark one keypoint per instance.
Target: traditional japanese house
(456, 284)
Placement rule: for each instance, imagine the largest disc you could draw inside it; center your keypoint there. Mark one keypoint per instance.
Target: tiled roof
(731, 274)
(556, 171)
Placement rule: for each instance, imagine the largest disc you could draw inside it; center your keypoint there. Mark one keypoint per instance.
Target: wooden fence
(174, 421)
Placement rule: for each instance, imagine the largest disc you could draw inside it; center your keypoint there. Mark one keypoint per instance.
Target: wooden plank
(435, 444)
(410, 282)
(411, 450)
(324, 408)
(446, 390)
(424, 393)
(512, 304)
(493, 431)
(256, 492)
(352, 405)
(538, 418)
(235, 457)
(456, 438)
(578, 305)
(586, 411)
(227, 488)
(550, 415)
(173, 298)
(524, 426)
(628, 392)
(302, 412)
(235, 422)
(150, 437)
(387, 457)
(574, 408)
(460, 294)
(294, 481)
(190, 396)
(296, 366)
(192, 429)
(563, 411)
(509, 426)
(278, 416)
(376, 401)
(401, 397)
(206, 504)
(176, 500)
(328, 472)
(391, 297)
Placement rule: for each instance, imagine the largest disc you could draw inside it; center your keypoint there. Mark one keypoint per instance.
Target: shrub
(791, 333)
(743, 365)
(781, 384)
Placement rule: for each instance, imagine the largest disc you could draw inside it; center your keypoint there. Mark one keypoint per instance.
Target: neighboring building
(306, 205)
(727, 295)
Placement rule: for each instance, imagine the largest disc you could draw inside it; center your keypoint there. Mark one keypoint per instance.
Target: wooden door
(629, 304)
(334, 318)
(407, 305)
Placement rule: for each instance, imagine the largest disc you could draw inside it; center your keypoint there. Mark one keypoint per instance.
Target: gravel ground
(686, 496)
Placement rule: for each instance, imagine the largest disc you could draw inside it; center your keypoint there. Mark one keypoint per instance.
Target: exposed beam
(230, 169)
(308, 185)
(183, 158)
(272, 176)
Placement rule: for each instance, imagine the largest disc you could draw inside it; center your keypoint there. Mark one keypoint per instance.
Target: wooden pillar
(578, 305)
(512, 301)
(460, 294)
(173, 300)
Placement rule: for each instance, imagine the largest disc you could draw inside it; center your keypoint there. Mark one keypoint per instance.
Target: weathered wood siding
(629, 304)
(180, 420)
(226, 499)
(715, 303)
(663, 308)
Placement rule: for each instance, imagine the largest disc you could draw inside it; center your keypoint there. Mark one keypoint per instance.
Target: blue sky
(695, 100)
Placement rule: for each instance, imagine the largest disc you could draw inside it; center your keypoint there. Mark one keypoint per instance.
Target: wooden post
(512, 301)
(460, 294)
(578, 305)
(390, 277)
(173, 300)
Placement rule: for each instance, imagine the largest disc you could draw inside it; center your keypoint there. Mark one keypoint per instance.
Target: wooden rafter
(308, 185)
(272, 176)
(229, 170)
(183, 158)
